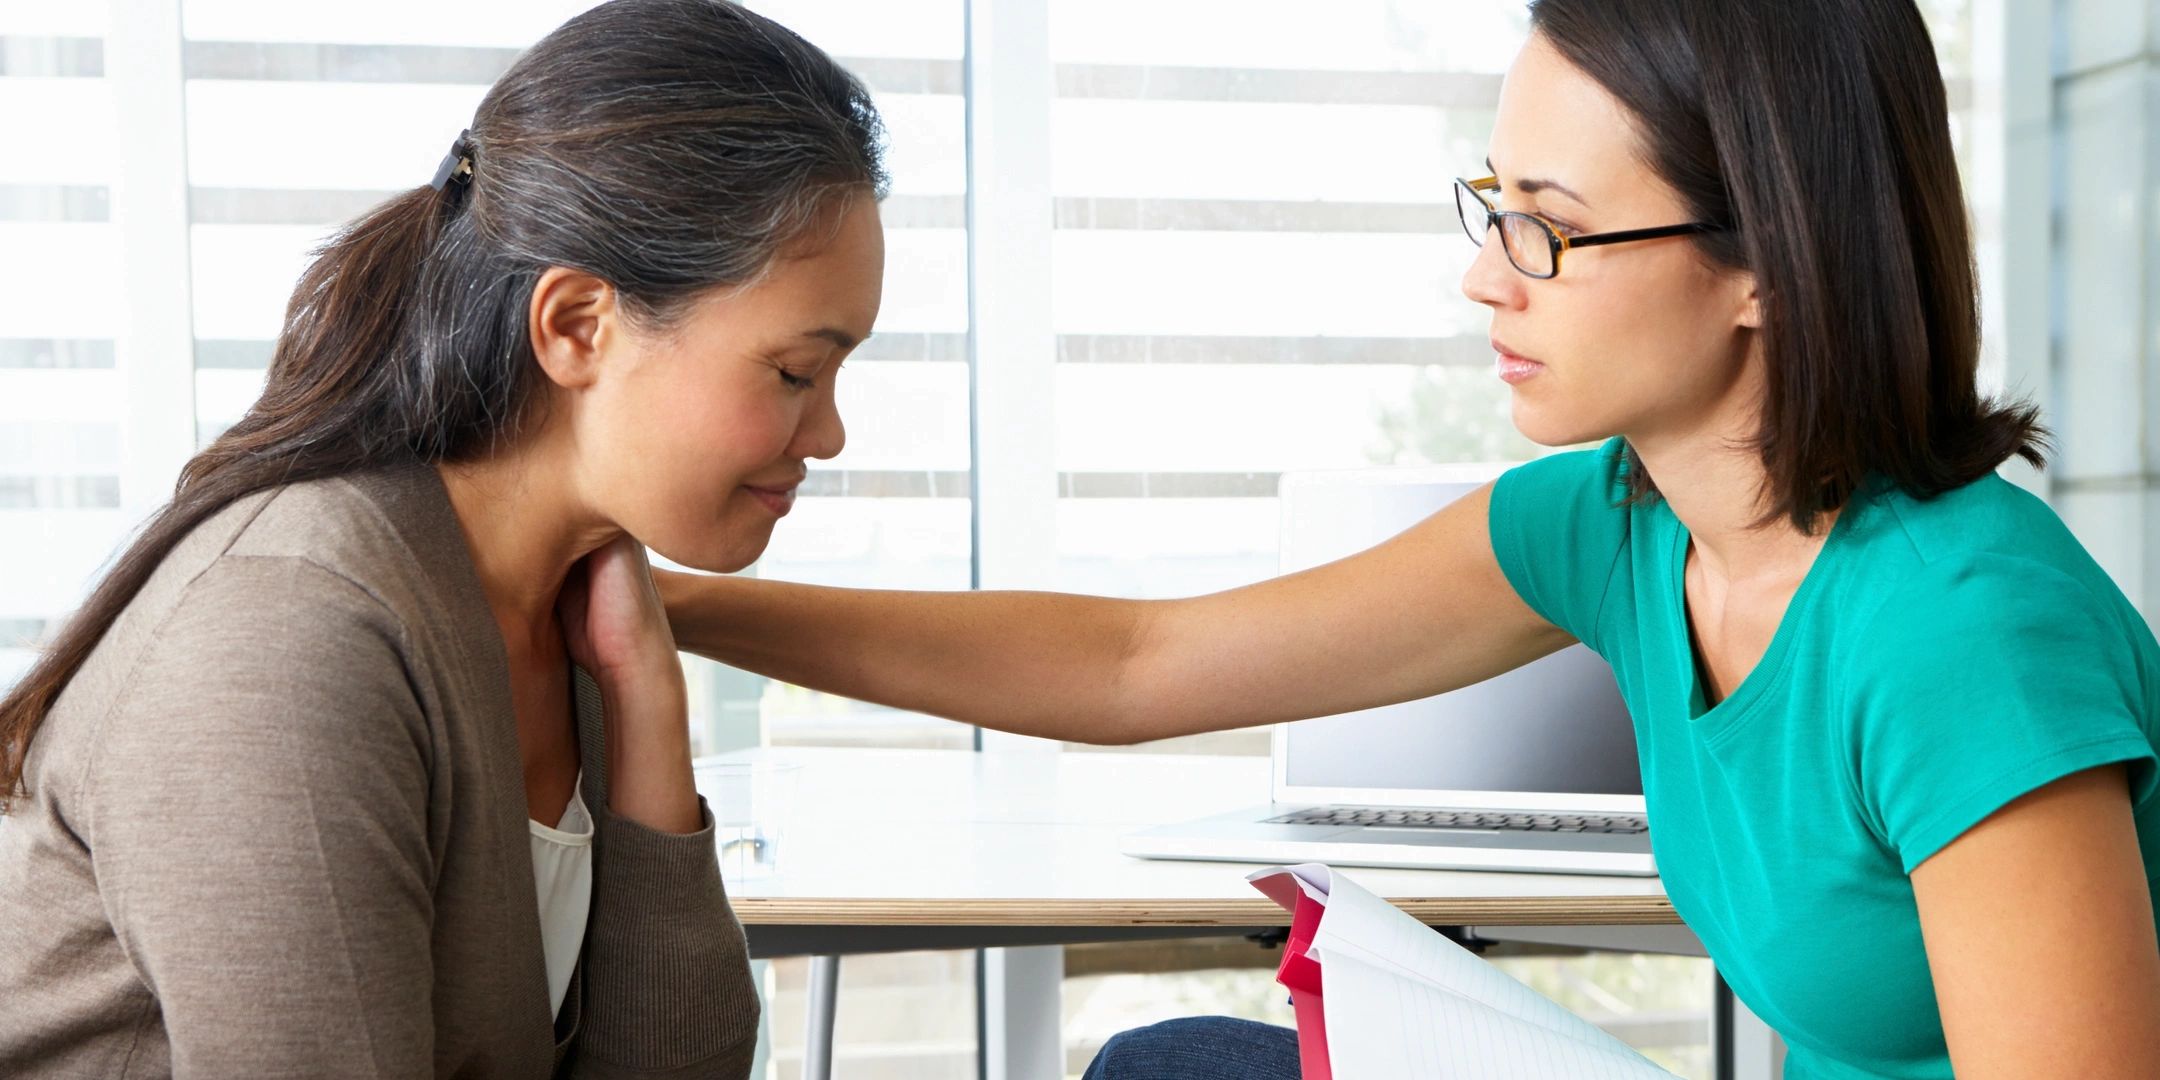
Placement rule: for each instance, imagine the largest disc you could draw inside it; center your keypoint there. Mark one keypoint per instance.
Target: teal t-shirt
(1941, 658)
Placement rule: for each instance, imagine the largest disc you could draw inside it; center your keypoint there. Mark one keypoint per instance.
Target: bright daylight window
(1255, 267)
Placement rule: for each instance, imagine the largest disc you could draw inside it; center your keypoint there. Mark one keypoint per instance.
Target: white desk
(930, 838)
(894, 850)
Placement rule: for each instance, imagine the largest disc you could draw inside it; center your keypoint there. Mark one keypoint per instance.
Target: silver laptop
(1533, 770)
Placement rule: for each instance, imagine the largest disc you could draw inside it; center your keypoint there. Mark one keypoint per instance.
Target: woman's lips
(777, 500)
(1511, 367)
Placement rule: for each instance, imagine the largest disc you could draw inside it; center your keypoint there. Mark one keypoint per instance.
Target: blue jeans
(1199, 1048)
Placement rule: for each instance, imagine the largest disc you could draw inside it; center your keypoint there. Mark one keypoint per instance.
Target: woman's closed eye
(805, 376)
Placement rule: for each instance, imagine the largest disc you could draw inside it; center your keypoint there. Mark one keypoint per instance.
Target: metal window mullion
(2011, 137)
(1012, 355)
(155, 349)
(1012, 349)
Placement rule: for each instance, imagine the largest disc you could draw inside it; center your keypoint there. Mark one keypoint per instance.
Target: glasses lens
(1528, 245)
(1471, 211)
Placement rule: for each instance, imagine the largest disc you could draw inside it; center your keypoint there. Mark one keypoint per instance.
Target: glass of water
(750, 802)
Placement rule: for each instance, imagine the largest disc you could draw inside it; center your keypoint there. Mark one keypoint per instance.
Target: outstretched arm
(1425, 612)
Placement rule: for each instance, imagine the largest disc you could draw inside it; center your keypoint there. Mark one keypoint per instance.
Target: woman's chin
(725, 557)
(1543, 427)
(1536, 425)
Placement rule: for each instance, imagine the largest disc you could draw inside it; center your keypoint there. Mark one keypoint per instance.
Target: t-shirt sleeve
(1980, 681)
(1558, 529)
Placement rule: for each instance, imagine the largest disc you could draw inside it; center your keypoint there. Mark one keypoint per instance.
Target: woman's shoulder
(388, 534)
(1559, 527)
(1580, 493)
(270, 661)
(367, 527)
(326, 585)
(1986, 536)
(1991, 566)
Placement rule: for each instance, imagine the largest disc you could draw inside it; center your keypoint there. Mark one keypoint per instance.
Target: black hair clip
(457, 164)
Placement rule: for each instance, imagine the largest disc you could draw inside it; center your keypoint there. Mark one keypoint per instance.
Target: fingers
(612, 615)
(622, 564)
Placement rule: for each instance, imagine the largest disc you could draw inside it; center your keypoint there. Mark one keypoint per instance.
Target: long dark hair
(1820, 129)
(664, 146)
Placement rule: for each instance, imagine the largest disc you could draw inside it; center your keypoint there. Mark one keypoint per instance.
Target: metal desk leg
(823, 1006)
(1021, 1010)
(1743, 1047)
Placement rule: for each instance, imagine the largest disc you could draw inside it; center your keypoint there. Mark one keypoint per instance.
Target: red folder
(1300, 974)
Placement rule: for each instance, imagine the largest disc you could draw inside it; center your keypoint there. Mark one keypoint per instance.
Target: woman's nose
(1491, 280)
(822, 434)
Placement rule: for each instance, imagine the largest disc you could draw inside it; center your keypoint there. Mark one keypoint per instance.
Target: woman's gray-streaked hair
(664, 146)
(667, 147)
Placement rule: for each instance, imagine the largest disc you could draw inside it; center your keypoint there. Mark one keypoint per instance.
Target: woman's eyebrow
(1534, 185)
(841, 338)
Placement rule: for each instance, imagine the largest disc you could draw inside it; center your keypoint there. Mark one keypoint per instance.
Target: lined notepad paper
(1403, 1001)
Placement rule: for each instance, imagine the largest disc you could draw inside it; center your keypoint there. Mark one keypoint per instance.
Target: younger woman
(1896, 727)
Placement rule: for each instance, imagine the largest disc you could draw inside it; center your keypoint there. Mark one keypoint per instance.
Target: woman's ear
(572, 322)
(1750, 315)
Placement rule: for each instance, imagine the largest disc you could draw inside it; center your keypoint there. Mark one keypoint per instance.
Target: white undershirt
(562, 878)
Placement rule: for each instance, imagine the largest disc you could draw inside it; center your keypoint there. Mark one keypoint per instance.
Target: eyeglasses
(1532, 244)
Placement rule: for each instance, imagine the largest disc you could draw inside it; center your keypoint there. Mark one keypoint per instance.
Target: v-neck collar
(412, 497)
(1713, 721)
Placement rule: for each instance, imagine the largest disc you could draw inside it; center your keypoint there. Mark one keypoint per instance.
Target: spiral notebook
(1402, 1001)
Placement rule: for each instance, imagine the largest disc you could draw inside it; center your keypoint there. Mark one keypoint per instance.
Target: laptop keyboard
(1462, 819)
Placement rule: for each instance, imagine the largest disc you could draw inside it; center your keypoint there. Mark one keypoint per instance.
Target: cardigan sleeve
(666, 969)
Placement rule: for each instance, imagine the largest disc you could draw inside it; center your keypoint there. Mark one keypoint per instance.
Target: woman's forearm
(1043, 664)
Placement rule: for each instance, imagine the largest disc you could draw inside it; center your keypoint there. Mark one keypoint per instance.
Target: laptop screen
(1556, 726)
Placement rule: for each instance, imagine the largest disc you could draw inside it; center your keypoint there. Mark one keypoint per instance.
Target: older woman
(370, 756)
